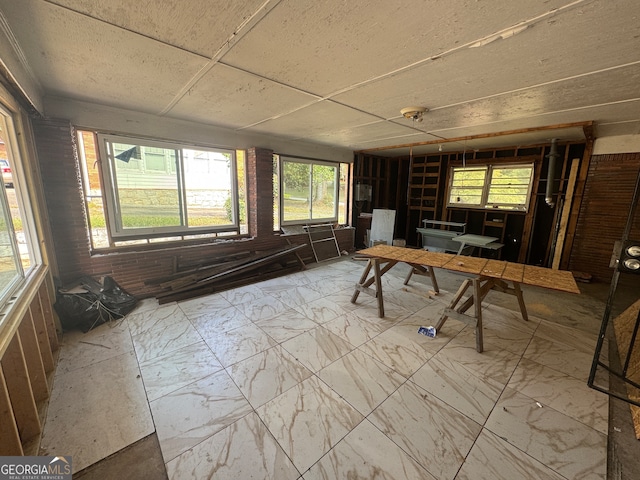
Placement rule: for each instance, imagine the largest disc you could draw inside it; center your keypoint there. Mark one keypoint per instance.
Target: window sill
(487, 209)
(175, 245)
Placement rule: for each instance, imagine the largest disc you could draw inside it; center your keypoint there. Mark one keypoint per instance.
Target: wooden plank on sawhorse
(481, 286)
(365, 283)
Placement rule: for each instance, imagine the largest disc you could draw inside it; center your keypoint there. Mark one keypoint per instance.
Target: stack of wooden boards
(227, 273)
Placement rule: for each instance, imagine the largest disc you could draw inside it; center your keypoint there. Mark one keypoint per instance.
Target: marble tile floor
(286, 379)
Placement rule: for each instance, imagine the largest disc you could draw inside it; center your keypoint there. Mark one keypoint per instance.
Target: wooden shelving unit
(494, 224)
(424, 185)
(425, 190)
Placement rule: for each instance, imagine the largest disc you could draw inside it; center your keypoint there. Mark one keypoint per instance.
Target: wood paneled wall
(603, 214)
(416, 188)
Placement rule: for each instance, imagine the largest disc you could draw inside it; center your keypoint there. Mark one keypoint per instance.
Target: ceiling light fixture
(414, 113)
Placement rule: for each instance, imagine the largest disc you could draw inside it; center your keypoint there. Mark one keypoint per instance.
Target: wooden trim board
(566, 210)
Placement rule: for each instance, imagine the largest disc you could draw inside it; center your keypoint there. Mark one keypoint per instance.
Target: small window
(509, 187)
(491, 186)
(467, 185)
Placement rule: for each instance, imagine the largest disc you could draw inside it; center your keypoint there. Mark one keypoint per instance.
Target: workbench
(486, 275)
(438, 236)
(476, 241)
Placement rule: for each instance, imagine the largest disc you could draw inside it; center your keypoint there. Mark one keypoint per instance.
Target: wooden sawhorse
(425, 272)
(481, 286)
(373, 263)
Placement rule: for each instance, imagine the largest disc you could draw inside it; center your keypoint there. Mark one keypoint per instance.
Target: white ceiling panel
(250, 99)
(384, 132)
(316, 119)
(565, 99)
(197, 26)
(380, 148)
(338, 72)
(606, 87)
(95, 61)
(474, 73)
(325, 46)
(612, 114)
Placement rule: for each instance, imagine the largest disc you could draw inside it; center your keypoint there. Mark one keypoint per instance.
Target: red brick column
(56, 147)
(260, 191)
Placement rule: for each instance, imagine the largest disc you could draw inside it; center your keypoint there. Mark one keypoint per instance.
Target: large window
(10, 266)
(154, 190)
(19, 253)
(491, 186)
(309, 191)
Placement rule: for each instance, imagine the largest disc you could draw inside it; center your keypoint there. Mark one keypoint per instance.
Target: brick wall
(603, 213)
(56, 149)
(63, 194)
(260, 191)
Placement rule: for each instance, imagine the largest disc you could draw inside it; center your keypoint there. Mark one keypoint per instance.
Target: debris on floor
(582, 277)
(89, 303)
(206, 279)
(428, 331)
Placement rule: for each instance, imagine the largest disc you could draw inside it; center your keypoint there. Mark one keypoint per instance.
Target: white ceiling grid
(338, 72)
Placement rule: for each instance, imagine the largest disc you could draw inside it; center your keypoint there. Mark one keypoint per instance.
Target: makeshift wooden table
(486, 274)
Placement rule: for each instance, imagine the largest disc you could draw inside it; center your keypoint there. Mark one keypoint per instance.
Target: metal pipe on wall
(553, 154)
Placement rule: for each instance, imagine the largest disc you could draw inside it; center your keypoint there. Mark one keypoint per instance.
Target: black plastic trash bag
(92, 303)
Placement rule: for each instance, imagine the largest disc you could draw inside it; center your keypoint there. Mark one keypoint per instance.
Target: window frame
(12, 125)
(509, 206)
(482, 189)
(281, 159)
(484, 203)
(110, 191)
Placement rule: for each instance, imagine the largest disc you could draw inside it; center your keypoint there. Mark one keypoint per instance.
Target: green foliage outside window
(491, 186)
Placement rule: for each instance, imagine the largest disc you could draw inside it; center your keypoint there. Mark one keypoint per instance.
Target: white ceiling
(338, 72)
